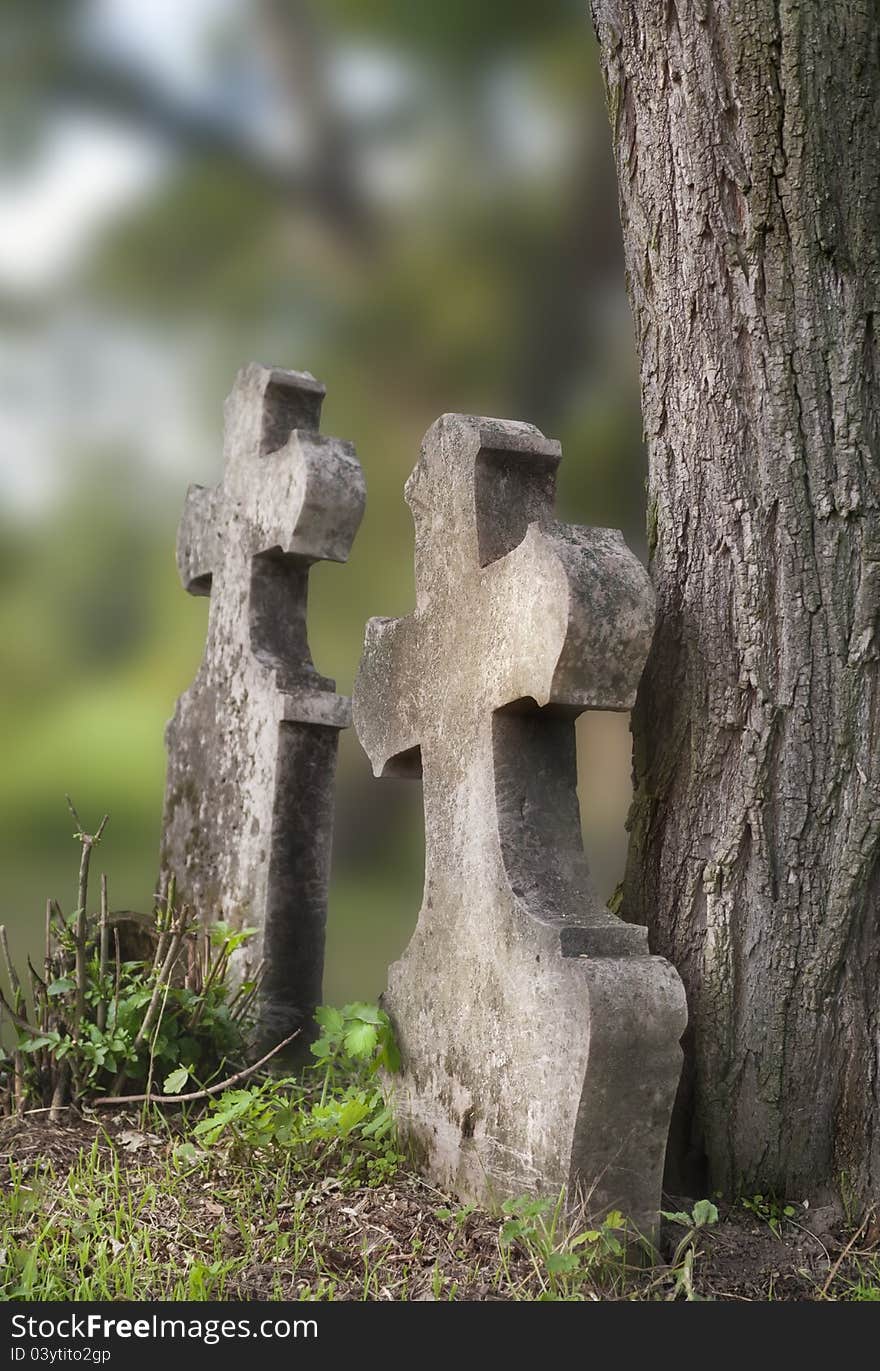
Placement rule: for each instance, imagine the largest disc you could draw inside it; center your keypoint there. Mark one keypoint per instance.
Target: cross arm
(578, 619)
(386, 697)
(326, 500)
(611, 610)
(292, 489)
(197, 539)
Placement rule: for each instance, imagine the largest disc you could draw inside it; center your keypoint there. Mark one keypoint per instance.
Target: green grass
(138, 1211)
(106, 1232)
(296, 1188)
(149, 1225)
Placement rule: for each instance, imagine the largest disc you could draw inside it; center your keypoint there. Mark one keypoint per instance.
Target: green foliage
(336, 1114)
(176, 1080)
(459, 29)
(97, 1023)
(769, 1210)
(704, 1214)
(103, 1231)
(564, 1259)
(196, 1027)
(357, 1040)
(458, 1217)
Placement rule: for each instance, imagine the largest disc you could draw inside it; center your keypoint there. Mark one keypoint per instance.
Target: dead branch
(87, 842)
(14, 982)
(103, 954)
(193, 1095)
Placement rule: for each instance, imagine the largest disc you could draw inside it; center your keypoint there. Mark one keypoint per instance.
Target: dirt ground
(393, 1230)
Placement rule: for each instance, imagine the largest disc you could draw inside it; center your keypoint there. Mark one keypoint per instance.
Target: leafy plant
(336, 1112)
(458, 1217)
(564, 1260)
(97, 1019)
(356, 1041)
(769, 1210)
(703, 1215)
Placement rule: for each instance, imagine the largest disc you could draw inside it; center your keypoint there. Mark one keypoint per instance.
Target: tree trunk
(747, 139)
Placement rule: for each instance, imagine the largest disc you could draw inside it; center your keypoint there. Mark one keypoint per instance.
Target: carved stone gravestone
(252, 746)
(539, 1040)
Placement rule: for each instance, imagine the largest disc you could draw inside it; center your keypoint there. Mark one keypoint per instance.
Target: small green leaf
(353, 1112)
(378, 1126)
(365, 1013)
(330, 1020)
(61, 986)
(233, 1105)
(391, 1056)
(591, 1235)
(360, 1039)
(705, 1212)
(34, 1044)
(176, 1080)
(678, 1216)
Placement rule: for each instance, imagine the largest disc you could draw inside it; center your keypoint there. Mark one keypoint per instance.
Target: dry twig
(193, 1095)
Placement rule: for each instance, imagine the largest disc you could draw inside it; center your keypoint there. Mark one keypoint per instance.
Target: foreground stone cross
(539, 1039)
(252, 746)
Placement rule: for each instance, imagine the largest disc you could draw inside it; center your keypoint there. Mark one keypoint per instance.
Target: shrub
(98, 1018)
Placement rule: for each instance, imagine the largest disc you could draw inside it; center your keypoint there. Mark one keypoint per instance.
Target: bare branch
(103, 954)
(14, 982)
(76, 819)
(230, 1081)
(17, 1018)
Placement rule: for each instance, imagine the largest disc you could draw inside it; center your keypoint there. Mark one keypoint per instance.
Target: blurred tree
(463, 34)
(394, 195)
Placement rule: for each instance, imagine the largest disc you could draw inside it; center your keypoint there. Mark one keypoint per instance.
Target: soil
(395, 1228)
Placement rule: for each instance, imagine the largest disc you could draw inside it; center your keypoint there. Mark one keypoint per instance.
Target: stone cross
(539, 1040)
(252, 746)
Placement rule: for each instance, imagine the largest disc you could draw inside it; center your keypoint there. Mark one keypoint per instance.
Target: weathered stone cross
(539, 1039)
(252, 746)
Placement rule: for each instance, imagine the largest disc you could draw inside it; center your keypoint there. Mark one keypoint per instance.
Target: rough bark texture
(747, 139)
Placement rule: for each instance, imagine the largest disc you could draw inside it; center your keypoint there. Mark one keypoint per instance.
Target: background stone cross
(539, 1039)
(252, 745)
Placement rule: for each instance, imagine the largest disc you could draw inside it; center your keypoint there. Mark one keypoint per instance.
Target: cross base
(548, 1071)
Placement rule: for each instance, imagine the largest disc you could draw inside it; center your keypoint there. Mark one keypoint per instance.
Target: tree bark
(747, 140)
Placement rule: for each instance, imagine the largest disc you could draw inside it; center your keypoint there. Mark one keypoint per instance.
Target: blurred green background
(416, 202)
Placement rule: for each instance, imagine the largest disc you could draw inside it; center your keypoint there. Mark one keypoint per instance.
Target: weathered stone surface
(539, 1039)
(252, 746)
